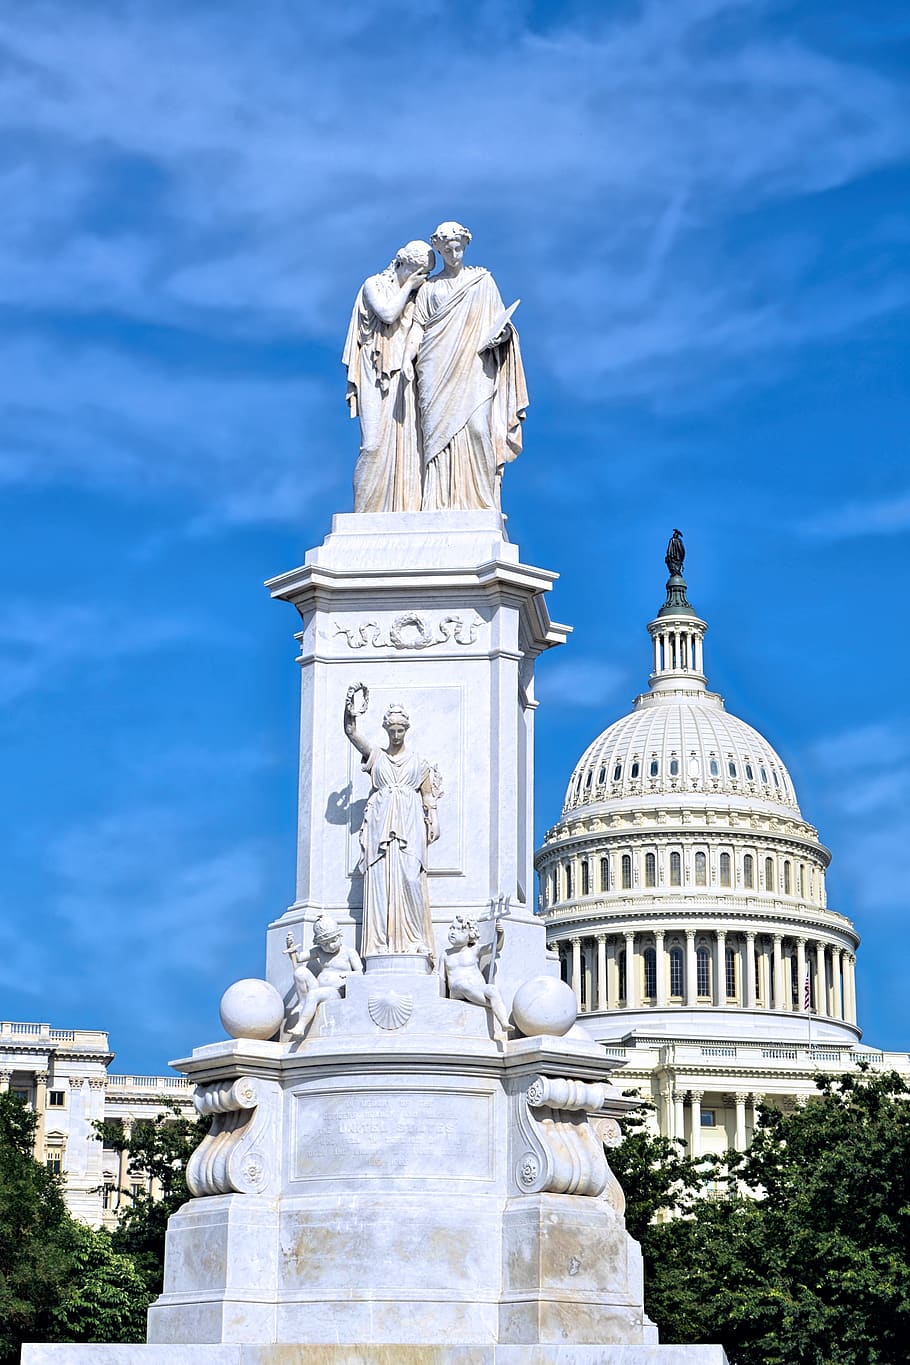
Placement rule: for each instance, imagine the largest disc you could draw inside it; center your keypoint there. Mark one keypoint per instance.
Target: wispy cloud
(878, 517)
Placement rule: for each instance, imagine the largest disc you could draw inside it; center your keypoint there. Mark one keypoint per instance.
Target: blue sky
(705, 207)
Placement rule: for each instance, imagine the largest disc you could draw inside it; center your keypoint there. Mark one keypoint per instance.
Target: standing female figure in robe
(470, 382)
(398, 824)
(388, 472)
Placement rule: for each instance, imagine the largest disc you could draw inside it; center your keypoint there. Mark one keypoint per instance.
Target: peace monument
(408, 1152)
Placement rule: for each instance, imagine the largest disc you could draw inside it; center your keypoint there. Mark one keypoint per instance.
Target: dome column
(720, 975)
(778, 973)
(838, 992)
(851, 978)
(801, 973)
(601, 971)
(631, 976)
(749, 992)
(576, 969)
(660, 968)
(821, 1000)
(691, 969)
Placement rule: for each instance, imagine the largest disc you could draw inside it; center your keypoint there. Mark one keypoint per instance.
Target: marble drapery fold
(393, 837)
(471, 396)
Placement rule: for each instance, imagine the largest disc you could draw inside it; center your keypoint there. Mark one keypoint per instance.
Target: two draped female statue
(435, 376)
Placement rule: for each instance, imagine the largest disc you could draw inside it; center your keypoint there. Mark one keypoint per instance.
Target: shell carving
(390, 1010)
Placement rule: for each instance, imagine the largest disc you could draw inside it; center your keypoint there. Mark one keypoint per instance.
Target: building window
(585, 878)
(617, 772)
(108, 1192)
(650, 869)
(786, 877)
(654, 768)
(649, 959)
(605, 874)
(56, 1099)
(54, 1164)
(137, 1190)
(709, 1118)
(676, 971)
(569, 881)
(621, 963)
(626, 871)
(701, 870)
(769, 874)
(725, 878)
(703, 970)
(635, 769)
(731, 973)
(675, 869)
(22, 1095)
(748, 871)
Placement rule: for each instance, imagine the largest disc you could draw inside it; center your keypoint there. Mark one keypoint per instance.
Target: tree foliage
(803, 1258)
(158, 1150)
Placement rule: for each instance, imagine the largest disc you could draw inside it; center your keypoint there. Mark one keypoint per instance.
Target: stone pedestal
(410, 1181)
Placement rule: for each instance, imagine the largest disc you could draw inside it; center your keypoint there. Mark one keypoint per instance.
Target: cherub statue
(321, 975)
(463, 973)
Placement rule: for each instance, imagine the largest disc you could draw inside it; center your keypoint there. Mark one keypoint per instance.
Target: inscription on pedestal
(427, 1134)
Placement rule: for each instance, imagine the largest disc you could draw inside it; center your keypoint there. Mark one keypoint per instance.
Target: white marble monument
(413, 1167)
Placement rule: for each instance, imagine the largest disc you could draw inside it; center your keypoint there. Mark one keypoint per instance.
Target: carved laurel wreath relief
(411, 630)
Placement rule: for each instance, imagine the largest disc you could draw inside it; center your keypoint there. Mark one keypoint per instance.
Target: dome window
(750, 776)
(701, 870)
(654, 768)
(675, 869)
(703, 971)
(621, 963)
(635, 769)
(605, 874)
(589, 779)
(731, 973)
(725, 878)
(617, 773)
(748, 871)
(787, 878)
(769, 874)
(764, 774)
(649, 962)
(714, 767)
(774, 775)
(569, 882)
(674, 766)
(650, 869)
(585, 878)
(731, 768)
(601, 777)
(694, 766)
(626, 872)
(676, 972)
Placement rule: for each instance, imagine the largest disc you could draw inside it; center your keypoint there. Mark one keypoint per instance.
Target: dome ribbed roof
(679, 744)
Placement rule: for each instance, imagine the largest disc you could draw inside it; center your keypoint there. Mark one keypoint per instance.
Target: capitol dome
(682, 888)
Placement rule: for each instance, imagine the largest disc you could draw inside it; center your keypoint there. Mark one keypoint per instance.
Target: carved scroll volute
(555, 1149)
(239, 1153)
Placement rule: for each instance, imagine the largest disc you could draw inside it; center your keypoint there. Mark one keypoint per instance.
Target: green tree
(35, 1234)
(804, 1257)
(104, 1298)
(158, 1150)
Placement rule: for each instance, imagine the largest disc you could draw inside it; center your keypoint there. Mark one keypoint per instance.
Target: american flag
(807, 995)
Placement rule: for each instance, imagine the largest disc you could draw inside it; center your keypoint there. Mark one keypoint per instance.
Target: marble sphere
(251, 1009)
(544, 1004)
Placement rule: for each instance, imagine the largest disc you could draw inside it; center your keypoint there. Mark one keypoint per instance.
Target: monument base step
(386, 1354)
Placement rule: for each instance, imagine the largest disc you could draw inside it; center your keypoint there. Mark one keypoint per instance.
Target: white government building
(685, 894)
(62, 1074)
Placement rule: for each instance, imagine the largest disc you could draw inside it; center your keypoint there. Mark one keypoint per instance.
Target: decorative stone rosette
(237, 1154)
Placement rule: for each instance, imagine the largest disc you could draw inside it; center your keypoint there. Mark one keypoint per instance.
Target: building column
(720, 972)
(631, 973)
(691, 970)
(123, 1169)
(838, 992)
(695, 1098)
(740, 1100)
(576, 970)
(679, 1113)
(41, 1078)
(660, 966)
(821, 997)
(801, 974)
(749, 992)
(756, 1101)
(601, 971)
(778, 973)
